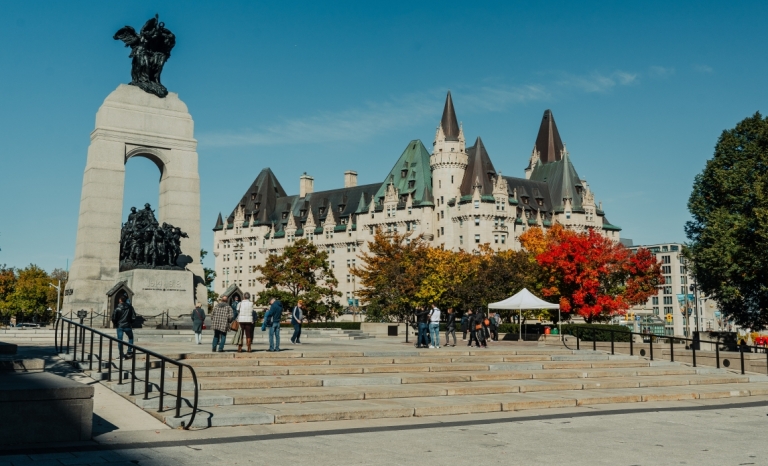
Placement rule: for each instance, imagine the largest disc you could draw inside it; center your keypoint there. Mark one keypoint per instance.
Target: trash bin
(555, 331)
(546, 331)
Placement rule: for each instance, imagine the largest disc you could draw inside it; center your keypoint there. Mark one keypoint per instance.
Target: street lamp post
(58, 296)
(694, 288)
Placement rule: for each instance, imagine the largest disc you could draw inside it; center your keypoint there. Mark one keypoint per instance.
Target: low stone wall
(39, 407)
(383, 329)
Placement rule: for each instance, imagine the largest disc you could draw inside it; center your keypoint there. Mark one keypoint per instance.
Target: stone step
(283, 413)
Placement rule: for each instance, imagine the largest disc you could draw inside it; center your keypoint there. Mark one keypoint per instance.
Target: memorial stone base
(156, 291)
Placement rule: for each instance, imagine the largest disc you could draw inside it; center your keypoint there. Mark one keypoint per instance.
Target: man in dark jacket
(272, 321)
(464, 326)
(122, 319)
(450, 327)
(422, 315)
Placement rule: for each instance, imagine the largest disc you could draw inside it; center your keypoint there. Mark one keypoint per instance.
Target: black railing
(579, 333)
(80, 340)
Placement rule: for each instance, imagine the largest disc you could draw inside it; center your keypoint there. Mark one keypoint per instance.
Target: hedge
(600, 332)
(339, 325)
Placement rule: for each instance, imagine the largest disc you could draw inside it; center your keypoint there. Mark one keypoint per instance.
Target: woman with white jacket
(245, 320)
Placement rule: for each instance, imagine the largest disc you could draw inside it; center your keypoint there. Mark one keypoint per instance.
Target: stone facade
(674, 296)
(453, 197)
(132, 123)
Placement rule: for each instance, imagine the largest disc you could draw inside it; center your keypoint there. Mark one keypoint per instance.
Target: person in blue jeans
(122, 318)
(297, 317)
(434, 326)
(421, 320)
(272, 320)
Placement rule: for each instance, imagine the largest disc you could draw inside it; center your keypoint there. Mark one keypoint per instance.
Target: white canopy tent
(524, 299)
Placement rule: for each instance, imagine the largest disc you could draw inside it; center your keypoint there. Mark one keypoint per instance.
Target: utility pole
(58, 295)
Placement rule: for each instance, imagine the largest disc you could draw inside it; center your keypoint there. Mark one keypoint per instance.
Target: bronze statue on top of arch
(145, 244)
(150, 49)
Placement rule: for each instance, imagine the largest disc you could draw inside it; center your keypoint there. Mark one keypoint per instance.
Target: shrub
(600, 332)
(339, 325)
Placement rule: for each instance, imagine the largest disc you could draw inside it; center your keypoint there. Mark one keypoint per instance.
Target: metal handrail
(80, 330)
(671, 339)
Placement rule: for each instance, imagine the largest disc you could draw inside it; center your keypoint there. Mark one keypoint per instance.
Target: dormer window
(341, 207)
(302, 212)
(285, 215)
(403, 173)
(411, 184)
(253, 196)
(525, 200)
(321, 210)
(540, 201)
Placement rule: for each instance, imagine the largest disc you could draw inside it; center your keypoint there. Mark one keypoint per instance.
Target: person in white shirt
(434, 326)
(245, 319)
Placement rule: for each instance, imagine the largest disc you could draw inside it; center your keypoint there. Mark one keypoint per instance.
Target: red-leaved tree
(593, 276)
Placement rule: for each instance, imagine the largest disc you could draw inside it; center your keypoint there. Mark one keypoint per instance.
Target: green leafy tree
(32, 295)
(391, 275)
(209, 277)
(7, 287)
(301, 272)
(729, 231)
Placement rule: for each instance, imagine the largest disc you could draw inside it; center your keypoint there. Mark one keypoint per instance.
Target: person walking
(122, 319)
(481, 329)
(221, 316)
(471, 328)
(464, 325)
(297, 317)
(198, 320)
(493, 328)
(450, 327)
(434, 326)
(272, 320)
(422, 316)
(245, 321)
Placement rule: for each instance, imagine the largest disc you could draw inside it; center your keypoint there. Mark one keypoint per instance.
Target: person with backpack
(481, 329)
(450, 327)
(272, 321)
(422, 316)
(122, 319)
(198, 321)
(434, 326)
(297, 317)
(471, 326)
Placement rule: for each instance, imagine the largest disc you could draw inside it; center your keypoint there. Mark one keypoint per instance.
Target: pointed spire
(449, 123)
(219, 223)
(548, 142)
(480, 171)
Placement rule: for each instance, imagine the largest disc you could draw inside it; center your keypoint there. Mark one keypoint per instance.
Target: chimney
(350, 179)
(306, 185)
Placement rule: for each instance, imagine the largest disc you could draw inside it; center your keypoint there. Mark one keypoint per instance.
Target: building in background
(663, 313)
(453, 197)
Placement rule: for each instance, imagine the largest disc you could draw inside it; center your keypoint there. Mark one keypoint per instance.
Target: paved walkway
(695, 433)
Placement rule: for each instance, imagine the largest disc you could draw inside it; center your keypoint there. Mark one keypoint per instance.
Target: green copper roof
(411, 174)
(562, 180)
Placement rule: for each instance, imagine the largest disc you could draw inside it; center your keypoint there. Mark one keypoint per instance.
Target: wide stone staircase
(306, 384)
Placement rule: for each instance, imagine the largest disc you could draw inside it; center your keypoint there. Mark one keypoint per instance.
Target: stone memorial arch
(134, 123)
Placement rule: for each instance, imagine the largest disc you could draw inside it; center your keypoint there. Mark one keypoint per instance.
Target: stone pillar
(133, 123)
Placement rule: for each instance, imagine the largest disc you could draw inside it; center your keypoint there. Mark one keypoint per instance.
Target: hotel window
(668, 279)
(442, 230)
(656, 310)
(503, 239)
(477, 221)
(461, 239)
(477, 204)
(655, 300)
(349, 280)
(496, 239)
(477, 239)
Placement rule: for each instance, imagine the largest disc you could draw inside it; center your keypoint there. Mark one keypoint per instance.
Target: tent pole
(559, 324)
(520, 326)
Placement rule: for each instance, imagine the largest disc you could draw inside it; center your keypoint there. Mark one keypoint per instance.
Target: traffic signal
(669, 317)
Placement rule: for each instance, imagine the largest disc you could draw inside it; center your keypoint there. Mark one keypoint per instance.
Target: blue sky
(640, 92)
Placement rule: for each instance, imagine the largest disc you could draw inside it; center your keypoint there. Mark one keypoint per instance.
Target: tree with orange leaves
(593, 276)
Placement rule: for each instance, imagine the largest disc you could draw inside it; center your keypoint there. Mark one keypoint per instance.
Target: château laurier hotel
(454, 197)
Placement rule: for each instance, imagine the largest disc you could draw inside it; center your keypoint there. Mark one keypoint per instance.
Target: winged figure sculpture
(150, 49)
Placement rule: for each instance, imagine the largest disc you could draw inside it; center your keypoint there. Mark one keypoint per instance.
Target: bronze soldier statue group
(144, 243)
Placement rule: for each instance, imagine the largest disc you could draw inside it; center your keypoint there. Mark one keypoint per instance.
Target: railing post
(611, 341)
(61, 340)
(109, 363)
(68, 332)
(178, 392)
(133, 374)
(90, 355)
(146, 376)
(162, 385)
(741, 356)
(594, 340)
(766, 360)
(631, 343)
(101, 361)
(717, 353)
(120, 370)
(650, 340)
(82, 343)
(578, 347)
(671, 350)
(694, 355)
